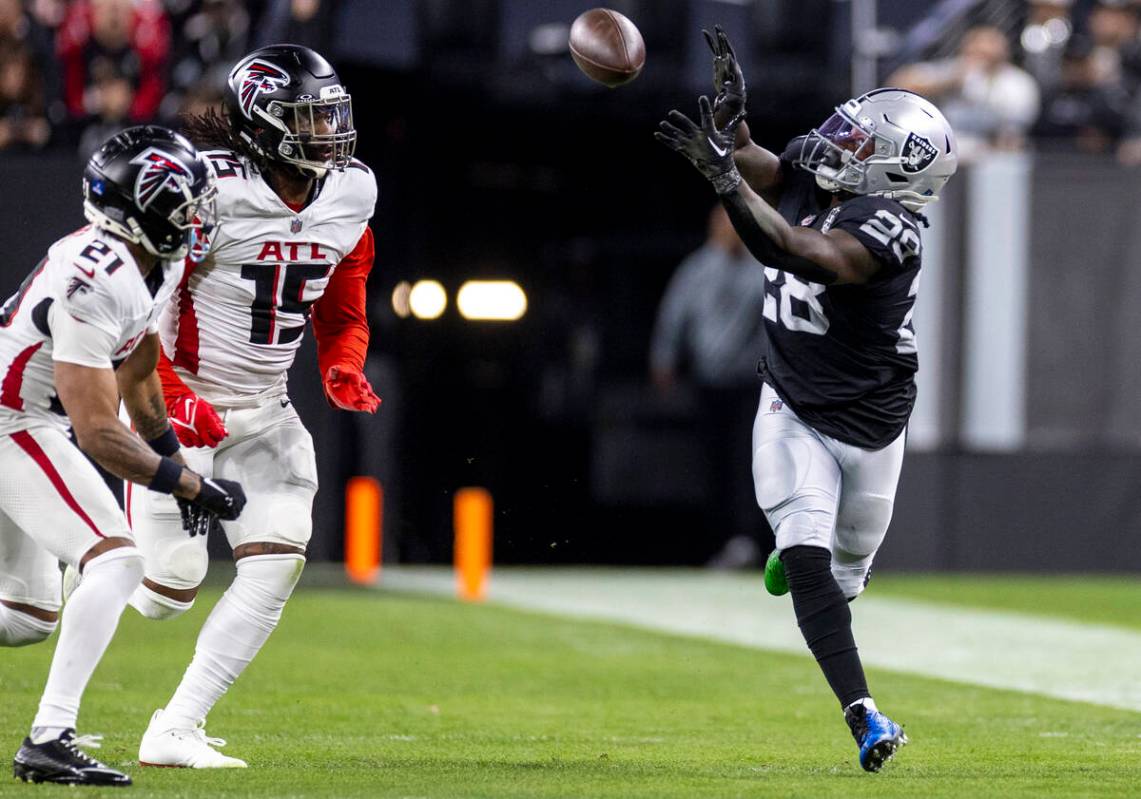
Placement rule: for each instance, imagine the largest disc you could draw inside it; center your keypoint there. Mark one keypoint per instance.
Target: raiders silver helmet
(889, 142)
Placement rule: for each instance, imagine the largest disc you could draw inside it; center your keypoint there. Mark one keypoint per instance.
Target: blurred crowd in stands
(73, 72)
(1069, 82)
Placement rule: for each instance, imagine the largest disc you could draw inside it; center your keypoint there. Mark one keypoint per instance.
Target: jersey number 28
(890, 231)
(794, 303)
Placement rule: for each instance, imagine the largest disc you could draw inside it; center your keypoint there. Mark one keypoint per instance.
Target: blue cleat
(877, 736)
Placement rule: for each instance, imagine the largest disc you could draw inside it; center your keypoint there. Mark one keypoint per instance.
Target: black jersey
(844, 357)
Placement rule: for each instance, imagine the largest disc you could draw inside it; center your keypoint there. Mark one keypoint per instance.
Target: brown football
(607, 47)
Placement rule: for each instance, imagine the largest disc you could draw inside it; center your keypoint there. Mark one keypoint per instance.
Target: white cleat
(171, 747)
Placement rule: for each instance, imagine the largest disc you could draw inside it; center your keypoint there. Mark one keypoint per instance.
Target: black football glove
(728, 80)
(222, 498)
(196, 520)
(706, 147)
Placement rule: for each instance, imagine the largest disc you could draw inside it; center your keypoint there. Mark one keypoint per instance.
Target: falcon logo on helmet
(257, 77)
(918, 154)
(159, 171)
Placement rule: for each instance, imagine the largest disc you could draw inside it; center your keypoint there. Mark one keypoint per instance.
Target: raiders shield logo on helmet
(159, 171)
(918, 153)
(254, 78)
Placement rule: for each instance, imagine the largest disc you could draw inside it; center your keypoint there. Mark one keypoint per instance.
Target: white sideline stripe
(1019, 652)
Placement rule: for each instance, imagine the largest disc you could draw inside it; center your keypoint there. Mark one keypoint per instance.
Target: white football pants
(270, 453)
(817, 491)
(53, 506)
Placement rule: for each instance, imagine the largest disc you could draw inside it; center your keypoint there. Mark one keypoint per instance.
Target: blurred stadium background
(497, 159)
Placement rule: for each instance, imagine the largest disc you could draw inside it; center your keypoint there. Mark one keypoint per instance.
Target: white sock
(154, 605)
(236, 629)
(41, 735)
(89, 623)
(20, 629)
(867, 702)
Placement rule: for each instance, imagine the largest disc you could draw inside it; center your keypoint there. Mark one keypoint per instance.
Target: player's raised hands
(347, 389)
(710, 150)
(728, 80)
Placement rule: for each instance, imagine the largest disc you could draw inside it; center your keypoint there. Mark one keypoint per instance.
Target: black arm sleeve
(764, 249)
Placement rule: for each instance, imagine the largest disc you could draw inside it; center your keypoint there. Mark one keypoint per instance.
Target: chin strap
(130, 231)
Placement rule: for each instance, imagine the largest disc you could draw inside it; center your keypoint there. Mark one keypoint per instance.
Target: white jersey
(85, 303)
(238, 321)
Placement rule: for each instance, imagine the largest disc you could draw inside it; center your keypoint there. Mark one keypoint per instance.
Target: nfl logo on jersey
(295, 225)
(775, 406)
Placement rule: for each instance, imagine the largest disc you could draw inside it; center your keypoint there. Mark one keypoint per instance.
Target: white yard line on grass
(1021, 652)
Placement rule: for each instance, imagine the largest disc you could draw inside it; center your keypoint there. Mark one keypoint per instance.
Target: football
(607, 47)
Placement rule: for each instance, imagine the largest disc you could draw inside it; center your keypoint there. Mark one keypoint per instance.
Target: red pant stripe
(25, 441)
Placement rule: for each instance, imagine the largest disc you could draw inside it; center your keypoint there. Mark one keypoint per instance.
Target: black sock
(825, 620)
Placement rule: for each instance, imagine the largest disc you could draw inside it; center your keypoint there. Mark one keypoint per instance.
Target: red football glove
(195, 421)
(346, 388)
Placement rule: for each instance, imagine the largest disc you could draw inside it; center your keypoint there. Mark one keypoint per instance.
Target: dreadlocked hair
(211, 130)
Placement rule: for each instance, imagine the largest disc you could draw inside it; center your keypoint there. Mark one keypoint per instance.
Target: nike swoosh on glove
(195, 421)
(347, 388)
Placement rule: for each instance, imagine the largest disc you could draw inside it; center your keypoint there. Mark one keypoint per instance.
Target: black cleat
(62, 761)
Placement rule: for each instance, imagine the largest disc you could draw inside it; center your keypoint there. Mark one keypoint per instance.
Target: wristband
(166, 444)
(167, 477)
(726, 182)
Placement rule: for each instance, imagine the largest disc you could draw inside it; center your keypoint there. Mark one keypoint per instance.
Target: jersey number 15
(280, 289)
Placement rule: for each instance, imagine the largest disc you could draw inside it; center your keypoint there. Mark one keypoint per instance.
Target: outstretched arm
(833, 257)
(758, 167)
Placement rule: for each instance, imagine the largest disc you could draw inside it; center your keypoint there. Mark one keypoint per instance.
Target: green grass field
(377, 694)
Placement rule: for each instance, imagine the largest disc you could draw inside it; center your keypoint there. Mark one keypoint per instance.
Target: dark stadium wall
(591, 466)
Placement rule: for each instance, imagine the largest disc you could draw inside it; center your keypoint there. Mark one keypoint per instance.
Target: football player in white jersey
(81, 331)
(292, 236)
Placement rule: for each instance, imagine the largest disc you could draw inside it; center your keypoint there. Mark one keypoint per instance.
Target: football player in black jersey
(835, 221)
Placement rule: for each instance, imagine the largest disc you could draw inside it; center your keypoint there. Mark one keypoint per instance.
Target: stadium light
(400, 305)
(492, 300)
(427, 299)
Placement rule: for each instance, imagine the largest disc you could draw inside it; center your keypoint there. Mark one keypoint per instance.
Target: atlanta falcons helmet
(287, 104)
(148, 185)
(889, 142)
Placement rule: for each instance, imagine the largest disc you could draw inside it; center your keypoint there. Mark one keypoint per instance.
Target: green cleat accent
(775, 581)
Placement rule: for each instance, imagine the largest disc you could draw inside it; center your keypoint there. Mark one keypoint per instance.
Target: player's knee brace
(263, 585)
(180, 564)
(21, 629)
(862, 524)
(154, 605)
(804, 521)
